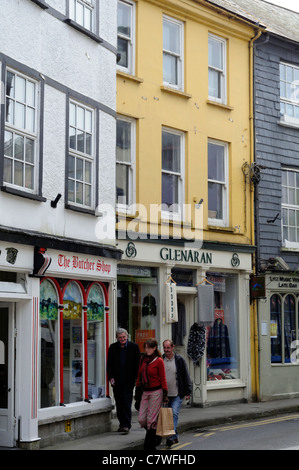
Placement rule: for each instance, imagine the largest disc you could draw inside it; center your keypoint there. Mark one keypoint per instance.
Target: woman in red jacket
(152, 380)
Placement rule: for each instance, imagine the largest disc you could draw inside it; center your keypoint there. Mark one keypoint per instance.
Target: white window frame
(87, 6)
(176, 211)
(225, 193)
(287, 207)
(11, 126)
(130, 39)
(179, 56)
(289, 93)
(83, 156)
(121, 207)
(220, 71)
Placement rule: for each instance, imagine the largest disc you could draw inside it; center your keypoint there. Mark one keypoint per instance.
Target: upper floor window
(125, 162)
(82, 11)
(173, 157)
(290, 208)
(81, 155)
(217, 69)
(217, 183)
(289, 93)
(126, 35)
(173, 46)
(20, 137)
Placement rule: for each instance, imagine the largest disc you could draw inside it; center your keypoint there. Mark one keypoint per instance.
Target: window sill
(41, 4)
(18, 192)
(220, 228)
(85, 31)
(80, 209)
(220, 105)
(292, 125)
(173, 91)
(127, 76)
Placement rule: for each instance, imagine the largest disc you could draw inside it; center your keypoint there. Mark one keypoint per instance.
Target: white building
(57, 139)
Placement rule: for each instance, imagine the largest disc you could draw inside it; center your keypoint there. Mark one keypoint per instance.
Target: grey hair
(120, 331)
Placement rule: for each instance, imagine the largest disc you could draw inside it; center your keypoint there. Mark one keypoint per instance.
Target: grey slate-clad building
(275, 177)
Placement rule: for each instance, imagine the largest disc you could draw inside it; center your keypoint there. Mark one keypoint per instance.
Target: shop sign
(257, 287)
(189, 256)
(284, 282)
(141, 336)
(80, 265)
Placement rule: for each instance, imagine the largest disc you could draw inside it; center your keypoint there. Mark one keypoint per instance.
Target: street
(273, 433)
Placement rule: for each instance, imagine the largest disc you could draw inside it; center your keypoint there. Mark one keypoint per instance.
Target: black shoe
(125, 430)
(171, 440)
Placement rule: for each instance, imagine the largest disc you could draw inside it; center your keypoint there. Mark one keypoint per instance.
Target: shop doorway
(188, 305)
(6, 376)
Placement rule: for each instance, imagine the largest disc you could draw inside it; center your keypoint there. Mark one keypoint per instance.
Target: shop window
(223, 335)
(95, 342)
(283, 327)
(72, 344)
(49, 341)
(138, 303)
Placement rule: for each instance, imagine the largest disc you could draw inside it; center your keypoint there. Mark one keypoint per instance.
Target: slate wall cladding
(276, 146)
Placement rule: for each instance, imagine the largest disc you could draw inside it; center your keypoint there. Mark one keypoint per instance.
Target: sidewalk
(190, 418)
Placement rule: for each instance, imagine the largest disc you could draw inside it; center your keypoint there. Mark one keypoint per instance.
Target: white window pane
(79, 193)
(29, 156)
(7, 176)
(215, 200)
(10, 111)
(30, 94)
(72, 115)
(29, 176)
(30, 119)
(214, 84)
(216, 169)
(80, 117)
(170, 69)
(87, 19)
(215, 54)
(88, 121)
(171, 37)
(171, 146)
(88, 141)
(71, 167)
(18, 174)
(20, 115)
(10, 84)
(79, 169)
(80, 141)
(8, 139)
(87, 177)
(19, 147)
(124, 15)
(80, 13)
(123, 141)
(122, 184)
(20, 84)
(123, 51)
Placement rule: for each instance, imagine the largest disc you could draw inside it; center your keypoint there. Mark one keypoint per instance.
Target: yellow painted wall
(153, 107)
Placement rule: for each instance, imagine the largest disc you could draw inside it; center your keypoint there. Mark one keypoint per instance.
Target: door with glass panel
(6, 376)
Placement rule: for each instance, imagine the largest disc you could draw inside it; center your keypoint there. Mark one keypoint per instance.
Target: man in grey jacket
(178, 382)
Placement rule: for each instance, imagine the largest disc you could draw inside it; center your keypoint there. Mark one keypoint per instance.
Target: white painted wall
(39, 40)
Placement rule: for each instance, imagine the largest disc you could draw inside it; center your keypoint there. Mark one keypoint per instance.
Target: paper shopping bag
(165, 425)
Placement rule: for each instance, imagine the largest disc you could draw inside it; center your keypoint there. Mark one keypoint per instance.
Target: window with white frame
(289, 93)
(21, 134)
(217, 183)
(290, 208)
(217, 69)
(173, 157)
(125, 162)
(173, 47)
(126, 35)
(82, 12)
(81, 158)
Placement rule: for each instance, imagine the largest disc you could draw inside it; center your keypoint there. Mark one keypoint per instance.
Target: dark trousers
(123, 399)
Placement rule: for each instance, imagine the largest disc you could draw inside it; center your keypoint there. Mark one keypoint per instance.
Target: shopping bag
(165, 425)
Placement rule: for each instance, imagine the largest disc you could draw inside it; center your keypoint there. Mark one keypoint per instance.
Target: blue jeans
(175, 403)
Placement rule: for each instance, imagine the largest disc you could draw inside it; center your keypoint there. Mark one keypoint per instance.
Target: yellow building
(184, 197)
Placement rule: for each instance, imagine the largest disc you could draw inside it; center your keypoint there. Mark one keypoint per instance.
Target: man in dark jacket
(122, 369)
(178, 382)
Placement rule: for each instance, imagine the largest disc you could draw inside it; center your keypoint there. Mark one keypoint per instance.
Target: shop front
(54, 334)
(278, 314)
(217, 351)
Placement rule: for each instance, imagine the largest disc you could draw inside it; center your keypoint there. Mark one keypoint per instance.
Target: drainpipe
(254, 340)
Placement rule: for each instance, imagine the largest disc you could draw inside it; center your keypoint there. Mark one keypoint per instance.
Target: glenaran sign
(189, 256)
